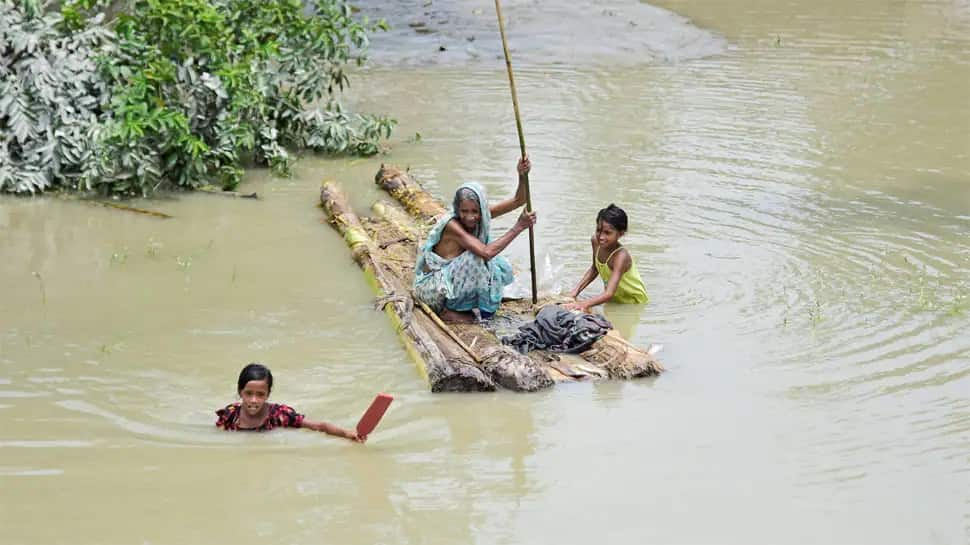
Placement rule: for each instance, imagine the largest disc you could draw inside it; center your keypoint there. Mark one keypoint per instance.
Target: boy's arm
(333, 429)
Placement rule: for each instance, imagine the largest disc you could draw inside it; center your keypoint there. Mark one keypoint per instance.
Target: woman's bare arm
(492, 249)
(508, 205)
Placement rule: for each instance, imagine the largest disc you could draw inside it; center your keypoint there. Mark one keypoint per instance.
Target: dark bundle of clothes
(559, 330)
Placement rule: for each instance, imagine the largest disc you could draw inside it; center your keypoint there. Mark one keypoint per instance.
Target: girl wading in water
(612, 263)
(253, 413)
(458, 267)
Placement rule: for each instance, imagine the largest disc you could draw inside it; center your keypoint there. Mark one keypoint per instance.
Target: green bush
(51, 97)
(195, 86)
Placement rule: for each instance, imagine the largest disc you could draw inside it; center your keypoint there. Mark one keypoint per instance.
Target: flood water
(797, 177)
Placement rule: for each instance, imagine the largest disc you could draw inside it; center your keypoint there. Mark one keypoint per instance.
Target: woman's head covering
(475, 192)
(481, 281)
(484, 224)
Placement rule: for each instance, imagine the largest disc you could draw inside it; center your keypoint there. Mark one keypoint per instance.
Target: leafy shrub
(184, 87)
(50, 97)
(201, 81)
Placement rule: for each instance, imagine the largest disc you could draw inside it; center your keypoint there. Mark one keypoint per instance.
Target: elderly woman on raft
(458, 268)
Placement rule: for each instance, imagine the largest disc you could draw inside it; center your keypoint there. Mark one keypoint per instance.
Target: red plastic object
(373, 415)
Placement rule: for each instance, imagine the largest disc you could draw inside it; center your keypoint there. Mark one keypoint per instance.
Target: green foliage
(178, 95)
(202, 81)
(50, 96)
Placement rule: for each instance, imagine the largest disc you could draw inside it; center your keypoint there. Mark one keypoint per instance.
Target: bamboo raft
(458, 357)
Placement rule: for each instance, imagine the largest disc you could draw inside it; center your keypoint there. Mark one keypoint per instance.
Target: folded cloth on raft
(559, 330)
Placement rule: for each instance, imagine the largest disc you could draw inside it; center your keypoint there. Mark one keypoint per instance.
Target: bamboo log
(406, 191)
(504, 365)
(447, 370)
(399, 219)
(619, 358)
(444, 327)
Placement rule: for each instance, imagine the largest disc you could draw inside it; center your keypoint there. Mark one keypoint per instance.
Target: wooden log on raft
(393, 270)
(400, 220)
(621, 359)
(503, 365)
(418, 202)
(447, 370)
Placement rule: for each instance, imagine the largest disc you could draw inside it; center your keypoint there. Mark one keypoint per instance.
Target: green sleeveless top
(630, 288)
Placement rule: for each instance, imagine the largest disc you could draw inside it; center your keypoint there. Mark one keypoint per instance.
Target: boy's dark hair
(255, 371)
(614, 215)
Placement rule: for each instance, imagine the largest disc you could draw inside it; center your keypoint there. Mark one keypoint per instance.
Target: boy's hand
(525, 165)
(352, 435)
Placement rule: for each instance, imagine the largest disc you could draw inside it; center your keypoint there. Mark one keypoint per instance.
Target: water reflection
(488, 445)
(626, 319)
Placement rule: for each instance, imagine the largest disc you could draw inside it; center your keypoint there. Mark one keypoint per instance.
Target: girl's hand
(352, 435)
(576, 306)
(525, 165)
(526, 220)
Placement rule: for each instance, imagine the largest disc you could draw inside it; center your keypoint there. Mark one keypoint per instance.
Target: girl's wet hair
(614, 215)
(255, 371)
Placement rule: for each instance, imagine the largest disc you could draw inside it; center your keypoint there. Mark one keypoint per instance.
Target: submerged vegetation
(127, 98)
(912, 290)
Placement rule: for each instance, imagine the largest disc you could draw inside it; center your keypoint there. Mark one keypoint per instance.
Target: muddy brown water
(797, 177)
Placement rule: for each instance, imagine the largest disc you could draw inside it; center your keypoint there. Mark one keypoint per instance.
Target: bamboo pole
(518, 126)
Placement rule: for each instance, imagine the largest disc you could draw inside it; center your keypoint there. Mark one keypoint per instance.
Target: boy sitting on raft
(458, 268)
(612, 263)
